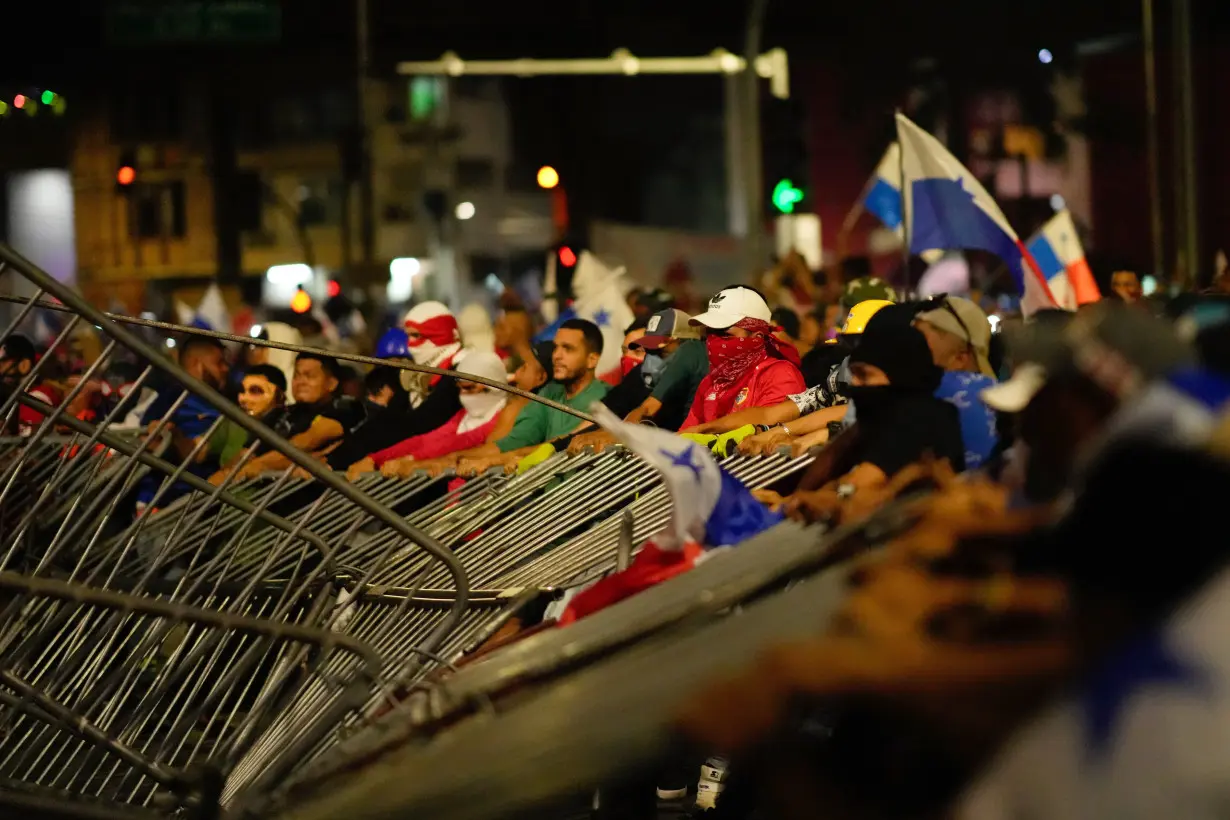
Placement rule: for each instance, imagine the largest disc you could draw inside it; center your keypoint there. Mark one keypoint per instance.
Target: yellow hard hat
(860, 315)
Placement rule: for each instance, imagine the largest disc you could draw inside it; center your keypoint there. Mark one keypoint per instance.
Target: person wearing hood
(893, 379)
(434, 339)
(748, 366)
(469, 427)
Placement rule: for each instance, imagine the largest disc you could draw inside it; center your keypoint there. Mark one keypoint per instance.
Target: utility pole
(367, 228)
(1187, 218)
(752, 160)
(745, 189)
(1151, 130)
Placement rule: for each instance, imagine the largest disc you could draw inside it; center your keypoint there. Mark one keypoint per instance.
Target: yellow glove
(541, 454)
(727, 443)
(703, 439)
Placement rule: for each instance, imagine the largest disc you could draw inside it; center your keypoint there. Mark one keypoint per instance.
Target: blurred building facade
(242, 168)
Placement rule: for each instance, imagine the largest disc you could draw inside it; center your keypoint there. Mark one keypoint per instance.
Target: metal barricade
(82, 676)
(109, 700)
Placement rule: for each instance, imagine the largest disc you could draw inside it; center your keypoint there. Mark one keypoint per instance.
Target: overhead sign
(193, 21)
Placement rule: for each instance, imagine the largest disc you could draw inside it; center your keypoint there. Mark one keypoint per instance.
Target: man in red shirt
(748, 366)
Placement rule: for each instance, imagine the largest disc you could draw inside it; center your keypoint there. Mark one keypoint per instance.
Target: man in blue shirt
(193, 417)
(959, 336)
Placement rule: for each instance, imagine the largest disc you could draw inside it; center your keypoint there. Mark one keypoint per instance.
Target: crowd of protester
(879, 384)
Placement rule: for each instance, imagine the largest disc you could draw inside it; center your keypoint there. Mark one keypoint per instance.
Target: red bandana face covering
(731, 358)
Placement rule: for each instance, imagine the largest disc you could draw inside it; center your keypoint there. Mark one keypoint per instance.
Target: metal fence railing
(171, 645)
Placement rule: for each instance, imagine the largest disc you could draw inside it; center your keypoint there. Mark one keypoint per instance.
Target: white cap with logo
(730, 306)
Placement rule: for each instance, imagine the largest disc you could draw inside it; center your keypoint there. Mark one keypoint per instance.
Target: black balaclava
(901, 351)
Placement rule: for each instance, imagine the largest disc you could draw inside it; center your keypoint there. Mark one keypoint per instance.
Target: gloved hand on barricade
(727, 443)
(541, 453)
(703, 439)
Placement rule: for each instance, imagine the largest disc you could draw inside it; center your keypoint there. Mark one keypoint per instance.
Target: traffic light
(126, 172)
(786, 166)
(786, 196)
(548, 177)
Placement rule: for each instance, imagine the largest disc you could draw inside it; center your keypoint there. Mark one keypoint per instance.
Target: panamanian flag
(948, 208)
(710, 509)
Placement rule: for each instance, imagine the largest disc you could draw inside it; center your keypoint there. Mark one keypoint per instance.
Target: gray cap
(1118, 347)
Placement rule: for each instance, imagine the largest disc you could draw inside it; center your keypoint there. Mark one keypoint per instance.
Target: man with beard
(578, 349)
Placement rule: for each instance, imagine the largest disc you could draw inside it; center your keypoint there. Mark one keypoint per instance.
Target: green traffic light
(786, 196)
(48, 97)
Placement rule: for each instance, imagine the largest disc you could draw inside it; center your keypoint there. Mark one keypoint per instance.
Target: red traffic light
(334, 288)
(125, 175)
(567, 257)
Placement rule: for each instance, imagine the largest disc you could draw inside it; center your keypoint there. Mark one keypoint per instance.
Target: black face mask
(873, 404)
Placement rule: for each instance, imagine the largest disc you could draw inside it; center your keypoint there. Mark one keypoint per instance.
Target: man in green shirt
(684, 362)
(578, 347)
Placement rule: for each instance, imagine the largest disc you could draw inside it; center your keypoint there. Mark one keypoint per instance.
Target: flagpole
(905, 214)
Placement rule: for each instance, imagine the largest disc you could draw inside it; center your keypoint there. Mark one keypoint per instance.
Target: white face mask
(480, 408)
(424, 353)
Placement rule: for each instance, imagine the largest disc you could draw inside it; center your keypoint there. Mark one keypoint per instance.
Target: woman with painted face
(469, 427)
(262, 394)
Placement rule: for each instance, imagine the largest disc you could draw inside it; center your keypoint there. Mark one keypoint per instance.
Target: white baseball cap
(730, 306)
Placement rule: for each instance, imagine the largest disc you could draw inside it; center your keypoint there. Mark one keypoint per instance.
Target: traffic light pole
(744, 186)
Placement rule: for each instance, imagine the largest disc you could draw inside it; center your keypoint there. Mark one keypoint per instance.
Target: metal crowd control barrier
(103, 704)
(331, 602)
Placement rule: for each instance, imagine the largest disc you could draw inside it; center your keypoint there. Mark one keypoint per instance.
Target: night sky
(630, 125)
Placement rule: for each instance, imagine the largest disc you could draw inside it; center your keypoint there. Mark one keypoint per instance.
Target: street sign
(193, 21)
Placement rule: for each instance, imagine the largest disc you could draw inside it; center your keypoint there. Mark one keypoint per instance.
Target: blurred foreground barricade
(934, 606)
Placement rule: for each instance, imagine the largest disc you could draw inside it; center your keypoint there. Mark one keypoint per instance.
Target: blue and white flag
(883, 197)
(709, 506)
(948, 208)
(1147, 735)
(710, 509)
(211, 313)
(599, 295)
